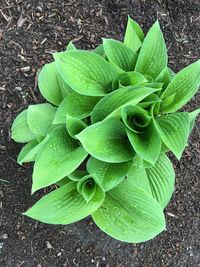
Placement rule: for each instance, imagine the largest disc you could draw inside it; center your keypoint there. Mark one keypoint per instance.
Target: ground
(29, 31)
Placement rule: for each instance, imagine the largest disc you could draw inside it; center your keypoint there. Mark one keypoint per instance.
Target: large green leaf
(120, 55)
(183, 86)
(86, 72)
(108, 175)
(51, 85)
(137, 176)
(64, 206)
(152, 58)
(40, 118)
(74, 125)
(174, 131)
(161, 179)
(107, 141)
(134, 35)
(130, 214)
(116, 100)
(20, 130)
(157, 180)
(75, 105)
(60, 156)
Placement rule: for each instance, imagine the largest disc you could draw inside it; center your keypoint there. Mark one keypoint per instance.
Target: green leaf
(142, 133)
(174, 131)
(70, 46)
(29, 152)
(128, 78)
(130, 214)
(20, 130)
(152, 58)
(100, 51)
(139, 162)
(51, 85)
(86, 72)
(77, 175)
(157, 181)
(149, 100)
(108, 175)
(87, 187)
(119, 55)
(107, 141)
(192, 117)
(25, 154)
(75, 105)
(60, 156)
(137, 176)
(183, 86)
(74, 126)
(134, 35)
(114, 101)
(64, 206)
(40, 118)
(161, 180)
(164, 77)
(135, 118)
(63, 181)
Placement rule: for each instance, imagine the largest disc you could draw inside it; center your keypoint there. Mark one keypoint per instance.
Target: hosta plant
(102, 139)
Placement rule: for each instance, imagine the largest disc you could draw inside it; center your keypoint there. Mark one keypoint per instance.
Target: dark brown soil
(29, 31)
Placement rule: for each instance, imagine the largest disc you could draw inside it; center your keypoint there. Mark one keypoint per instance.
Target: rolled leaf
(114, 101)
(120, 55)
(146, 144)
(183, 86)
(134, 35)
(86, 72)
(174, 131)
(87, 187)
(60, 156)
(77, 175)
(74, 126)
(128, 78)
(130, 214)
(152, 58)
(64, 206)
(20, 131)
(63, 181)
(108, 175)
(107, 141)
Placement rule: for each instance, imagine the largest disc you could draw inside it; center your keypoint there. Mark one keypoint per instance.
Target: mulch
(29, 32)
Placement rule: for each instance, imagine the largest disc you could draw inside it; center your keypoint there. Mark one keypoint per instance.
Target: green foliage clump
(114, 112)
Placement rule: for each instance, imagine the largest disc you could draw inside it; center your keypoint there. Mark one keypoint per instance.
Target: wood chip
(21, 21)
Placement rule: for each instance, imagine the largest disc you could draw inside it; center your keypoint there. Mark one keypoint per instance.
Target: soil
(29, 31)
